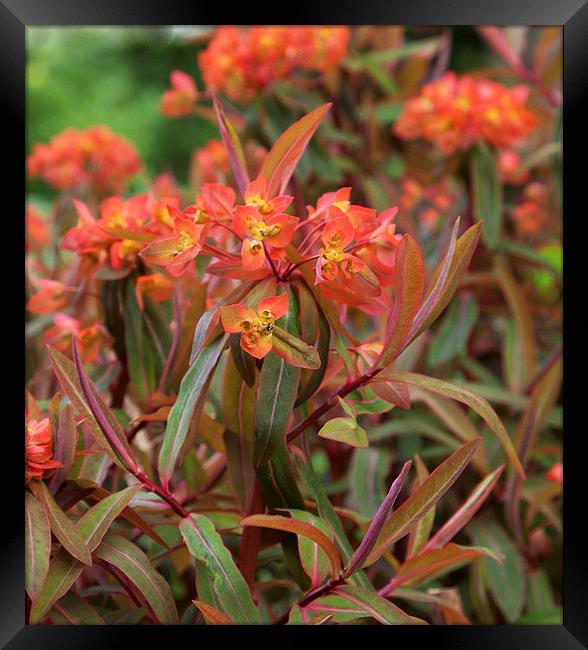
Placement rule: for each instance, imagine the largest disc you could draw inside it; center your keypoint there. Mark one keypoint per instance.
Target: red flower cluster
(94, 157)
(241, 62)
(39, 450)
(455, 112)
(427, 203)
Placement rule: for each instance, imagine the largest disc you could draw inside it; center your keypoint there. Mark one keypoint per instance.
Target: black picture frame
(17, 15)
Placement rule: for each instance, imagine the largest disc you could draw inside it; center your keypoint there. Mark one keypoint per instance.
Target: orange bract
(39, 461)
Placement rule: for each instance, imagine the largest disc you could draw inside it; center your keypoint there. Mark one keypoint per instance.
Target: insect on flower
(256, 325)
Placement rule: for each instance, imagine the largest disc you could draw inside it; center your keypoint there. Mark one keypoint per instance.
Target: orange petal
(252, 254)
(232, 317)
(287, 226)
(256, 345)
(277, 305)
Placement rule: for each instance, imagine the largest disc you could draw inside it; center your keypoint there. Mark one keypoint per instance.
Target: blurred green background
(114, 76)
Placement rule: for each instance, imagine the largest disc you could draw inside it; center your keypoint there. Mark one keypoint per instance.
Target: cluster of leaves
(262, 411)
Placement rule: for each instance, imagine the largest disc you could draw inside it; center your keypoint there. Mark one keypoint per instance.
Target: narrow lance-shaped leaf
(467, 510)
(467, 397)
(278, 387)
(433, 563)
(298, 527)
(65, 569)
(66, 439)
(232, 146)
(109, 433)
(206, 545)
(464, 250)
(37, 545)
(409, 284)
(62, 526)
(403, 520)
(191, 397)
(212, 614)
(434, 294)
(72, 609)
(295, 351)
(283, 157)
(487, 193)
(348, 602)
(380, 518)
(419, 535)
(135, 565)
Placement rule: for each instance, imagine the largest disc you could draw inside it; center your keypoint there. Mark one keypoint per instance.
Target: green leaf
(140, 360)
(278, 387)
(206, 545)
(348, 602)
(62, 527)
(369, 468)
(425, 497)
(37, 545)
(314, 559)
(467, 397)
(232, 146)
(345, 430)
(454, 330)
(64, 569)
(506, 581)
(420, 533)
(244, 362)
(135, 565)
(295, 351)
(193, 390)
(486, 193)
(327, 512)
(72, 609)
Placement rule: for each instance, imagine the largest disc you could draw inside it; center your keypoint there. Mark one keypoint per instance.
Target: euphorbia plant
(229, 368)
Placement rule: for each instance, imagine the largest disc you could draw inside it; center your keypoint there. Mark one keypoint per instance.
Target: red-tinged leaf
(419, 535)
(72, 609)
(447, 600)
(207, 546)
(37, 545)
(464, 250)
(130, 515)
(311, 380)
(62, 527)
(193, 391)
(409, 284)
(407, 516)
(467, 510)
(486, 190)
(391, 392)
(283, 157)
(431, 564)
(65, 569)
(69, 379)
(232, 146)
(496, 39)
(295, 351)
(314, 560)
(287, 524)
(212, 614)
(347, 602)
(66, 439)
(235, 271)
(477, 403)
(436, 290)
(130, 560)
(345, 430)
(377, 523)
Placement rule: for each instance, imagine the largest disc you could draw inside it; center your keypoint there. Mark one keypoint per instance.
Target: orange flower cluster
(455, 112)
(427, 203)
(181, 97)
(531, 213)
(94, 157)
(39, 450)
(241, 62)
